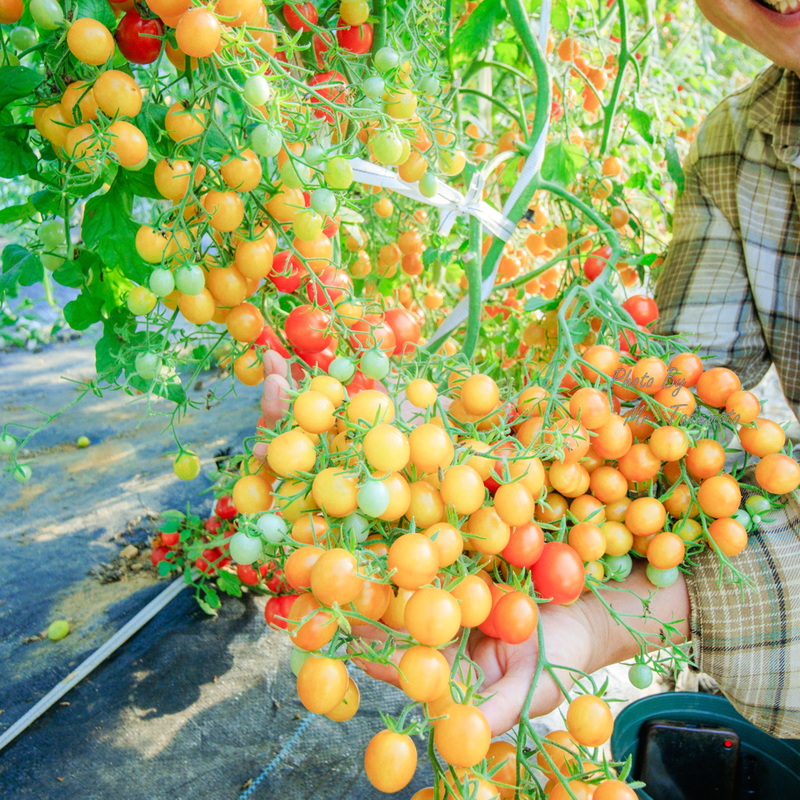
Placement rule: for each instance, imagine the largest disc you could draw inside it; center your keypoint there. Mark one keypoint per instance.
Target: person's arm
(703, 289)
(748, 638)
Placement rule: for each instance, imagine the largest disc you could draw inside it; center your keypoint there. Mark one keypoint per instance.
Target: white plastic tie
(450, 202)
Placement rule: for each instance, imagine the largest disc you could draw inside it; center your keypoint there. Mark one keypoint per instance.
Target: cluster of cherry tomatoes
(466, 505)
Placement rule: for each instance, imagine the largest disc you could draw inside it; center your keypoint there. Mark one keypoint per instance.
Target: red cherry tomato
(331, 227)
(596, 262)
(247, 574)
(643, 309)
(407, 331)
(358, 383)
(357, 38)
(333, 284)
(372, 331)
(170, 539)
(210, 561)
(306, 329)
(224, 507)
(135, 37)
(275, 583)
(159, 554)
(279, 607)
(287, 271)
(269, 339)
(300, 16)
(213, 525)
(332, 85)
(558, 573)
(322, 359)
(321, 43)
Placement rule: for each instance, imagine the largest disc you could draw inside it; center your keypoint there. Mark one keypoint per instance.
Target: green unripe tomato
(385, 59)
(265, 140)
(297, 659)
(307, 225)
(83, 441)
(257, 90)
(338, 173)
(757, 504)
(273, 528)
(8, 444)
(323, 201)
(342, 369)
(186, 466)
(294, 174)
(51, 261)
(141, 301)
(373, 87)
(190, 279)
(314, 155)
(373, 498)
(161, 282)
(661, 577)
(22, 473)
(146, 365)
(47, 14)
(57, 630)
(357, 526)
(245, 549)
(640, 675)
(743, 518)
(387, 147)
(51, 233)
(22, 38)
(430, 86)
(375, 364)
(428, 185)
(618, 567)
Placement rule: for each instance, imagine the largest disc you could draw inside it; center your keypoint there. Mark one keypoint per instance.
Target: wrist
(650, 616)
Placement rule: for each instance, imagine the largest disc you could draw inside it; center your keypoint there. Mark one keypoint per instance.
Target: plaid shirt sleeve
(704, 290)
(748, 639)
(730, 282)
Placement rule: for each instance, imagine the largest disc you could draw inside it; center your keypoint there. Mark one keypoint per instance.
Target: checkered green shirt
(732, 282)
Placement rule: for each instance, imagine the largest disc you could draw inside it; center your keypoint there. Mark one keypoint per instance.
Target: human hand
(581, 636)
(274, 396)
(570, 637)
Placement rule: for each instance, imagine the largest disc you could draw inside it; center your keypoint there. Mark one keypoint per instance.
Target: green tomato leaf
(637, 180)
(562, 162)
(96, 9)
(674, 167)
(83, 311)
(16, 213)
(475, 33)
(27, 265)
(46, 202)
(79, 271)
(140, 183)
(642, 122)
(578, 328)
(227, 582)
(429, 256)
(109, 231)
(559, 16)
(16, 157)
(542, 304)
(17, 82)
